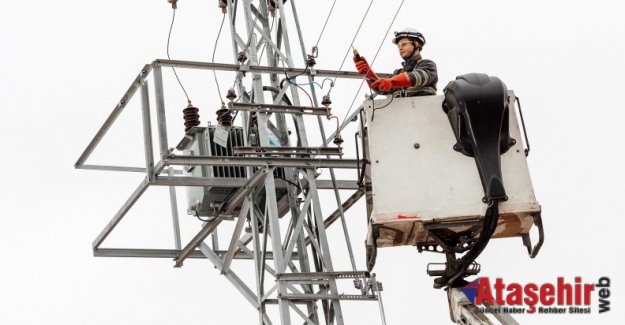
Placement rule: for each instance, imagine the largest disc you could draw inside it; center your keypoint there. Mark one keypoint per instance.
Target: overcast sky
(65, 64)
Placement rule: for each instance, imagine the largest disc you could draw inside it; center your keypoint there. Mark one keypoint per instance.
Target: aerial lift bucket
(425, 193)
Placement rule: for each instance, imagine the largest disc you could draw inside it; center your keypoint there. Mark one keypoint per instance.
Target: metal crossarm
(272, 108)
(312, 151)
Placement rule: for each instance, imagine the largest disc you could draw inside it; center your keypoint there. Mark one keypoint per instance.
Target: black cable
(220, 209)
(375, 108)
(295, 84)
(305, 92)
(171, 27)
(197, 215)
(213, 58)
(389, 102)
(288, 181)
(287, 75)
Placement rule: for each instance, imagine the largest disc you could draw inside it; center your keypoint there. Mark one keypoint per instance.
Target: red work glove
(364, 69)
(401, 80)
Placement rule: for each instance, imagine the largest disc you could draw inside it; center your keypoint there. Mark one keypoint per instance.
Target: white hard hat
(411, 33)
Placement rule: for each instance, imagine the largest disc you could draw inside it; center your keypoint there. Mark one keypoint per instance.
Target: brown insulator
(271, 6)
(326, 101)
(337, 140)
(191, 117)
(231, 94)
(223, 5)
(310, 62)
(242, 57)
(224, 118)
(173, 4)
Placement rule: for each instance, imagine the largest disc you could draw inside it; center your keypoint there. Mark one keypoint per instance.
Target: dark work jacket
(423, 74)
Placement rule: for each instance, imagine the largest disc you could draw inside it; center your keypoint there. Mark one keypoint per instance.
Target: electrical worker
(417, 77)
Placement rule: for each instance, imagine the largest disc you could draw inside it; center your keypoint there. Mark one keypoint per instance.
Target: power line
(213, 58)
(374, 57)
(352, 42)
(171, 27)
(324, 24)
(387, 30)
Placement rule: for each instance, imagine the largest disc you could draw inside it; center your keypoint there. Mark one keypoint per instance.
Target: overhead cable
(387, 30)
(213, 58)
(352, 42)
(171, 26)
(374, 57)
(324, 24)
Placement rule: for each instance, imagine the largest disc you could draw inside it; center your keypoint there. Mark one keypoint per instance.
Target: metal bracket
(527, 141)
(527, 242)
(368, 291)
(473, 269)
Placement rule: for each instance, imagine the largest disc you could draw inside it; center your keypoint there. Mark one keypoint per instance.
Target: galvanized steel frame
(307, 225)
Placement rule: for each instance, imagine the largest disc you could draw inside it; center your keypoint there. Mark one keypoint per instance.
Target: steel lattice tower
(286, 245)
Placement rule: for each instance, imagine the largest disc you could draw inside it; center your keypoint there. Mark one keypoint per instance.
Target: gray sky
(65, 64)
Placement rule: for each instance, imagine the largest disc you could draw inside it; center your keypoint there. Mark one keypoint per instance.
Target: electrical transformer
(217, 141)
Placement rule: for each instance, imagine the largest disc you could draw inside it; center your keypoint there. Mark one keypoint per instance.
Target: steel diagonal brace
(298, 228)
(120, 214)
(269, 270)
(337, 213)
(265, 36)
(231, 276)
(301, 313)
(225, 208)
(235, 236)
(145, 71)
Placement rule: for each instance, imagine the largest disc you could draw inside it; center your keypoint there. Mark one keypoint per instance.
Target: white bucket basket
(419, 180)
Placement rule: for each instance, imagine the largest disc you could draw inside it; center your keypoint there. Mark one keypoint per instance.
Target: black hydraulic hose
(458, 267)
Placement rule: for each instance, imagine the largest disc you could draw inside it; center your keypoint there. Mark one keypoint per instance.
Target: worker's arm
(424, 74)
(402, 80)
